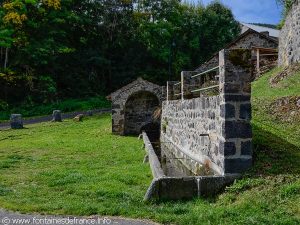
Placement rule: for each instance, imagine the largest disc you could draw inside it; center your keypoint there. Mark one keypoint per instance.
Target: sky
(252, 11)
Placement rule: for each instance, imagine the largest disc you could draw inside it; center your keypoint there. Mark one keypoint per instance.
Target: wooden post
(182, 86)
(258, 61)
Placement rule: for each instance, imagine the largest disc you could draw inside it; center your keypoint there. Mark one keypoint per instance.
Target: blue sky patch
(252, 11)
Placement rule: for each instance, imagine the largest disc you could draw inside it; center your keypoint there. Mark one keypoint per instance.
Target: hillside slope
(276, 123)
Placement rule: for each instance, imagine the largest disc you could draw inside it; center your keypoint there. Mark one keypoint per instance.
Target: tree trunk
(1, 53)
(6, 58)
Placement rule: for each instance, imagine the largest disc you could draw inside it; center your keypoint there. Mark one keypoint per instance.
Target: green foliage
(87, 48)
(4, 190)
(287, 5)
(6, 39)
(31, 109)
(291, 190)
(3, 105)
(244, 184)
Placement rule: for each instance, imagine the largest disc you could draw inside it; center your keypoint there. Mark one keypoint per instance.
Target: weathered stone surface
(139, 110)
(246, 148)
(227, 111)
(237, 165)
(155, 165)
(78, 118)
(56, 116)
(236, 129)
(16, 121)
(289, 40)
(134, 105)
(228, 148)
(180, 188)
(237, 98)
(192, 127)
(245, 111)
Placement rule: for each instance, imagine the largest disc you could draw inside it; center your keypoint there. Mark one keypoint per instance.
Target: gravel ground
(11, 218)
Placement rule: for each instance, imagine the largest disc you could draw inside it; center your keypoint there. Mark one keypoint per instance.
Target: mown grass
(68, 105)
(81, 169)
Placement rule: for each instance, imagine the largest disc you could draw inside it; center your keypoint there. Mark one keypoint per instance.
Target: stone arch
(120, 97)
(138, 112)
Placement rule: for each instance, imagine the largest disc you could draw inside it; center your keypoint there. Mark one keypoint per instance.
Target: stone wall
(247, 41)
(190, 130)
(120, 97)
(289, 40)
(213, 134)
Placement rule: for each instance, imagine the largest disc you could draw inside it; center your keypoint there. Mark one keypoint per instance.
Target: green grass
(81, 169)
(69, 105)
(287, 87)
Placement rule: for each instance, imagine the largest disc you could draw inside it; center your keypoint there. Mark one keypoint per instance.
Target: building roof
(249, 31)
(272, 32)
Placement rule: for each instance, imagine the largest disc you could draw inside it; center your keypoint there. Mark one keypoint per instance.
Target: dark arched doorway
(139, 110)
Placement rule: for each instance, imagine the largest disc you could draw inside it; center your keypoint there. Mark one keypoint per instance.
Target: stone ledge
(174, 188)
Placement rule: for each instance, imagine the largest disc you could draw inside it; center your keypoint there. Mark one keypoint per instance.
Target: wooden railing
(184, 88)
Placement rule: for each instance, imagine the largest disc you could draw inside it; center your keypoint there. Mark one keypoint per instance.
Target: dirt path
(11, 218)
(41, 119)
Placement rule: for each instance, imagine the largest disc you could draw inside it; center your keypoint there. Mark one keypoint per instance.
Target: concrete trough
(164, 187)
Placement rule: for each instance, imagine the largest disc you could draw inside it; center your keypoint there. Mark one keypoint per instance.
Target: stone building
(289, 40)
(262, 41)
(133, 106)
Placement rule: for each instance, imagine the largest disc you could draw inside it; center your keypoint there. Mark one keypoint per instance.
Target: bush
(69, 105)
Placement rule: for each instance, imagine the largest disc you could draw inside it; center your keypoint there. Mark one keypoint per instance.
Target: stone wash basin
(173, 183)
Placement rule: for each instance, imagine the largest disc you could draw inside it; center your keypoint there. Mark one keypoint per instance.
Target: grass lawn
(81, 169)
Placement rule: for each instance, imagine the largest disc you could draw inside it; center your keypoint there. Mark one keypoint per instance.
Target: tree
(77, 48)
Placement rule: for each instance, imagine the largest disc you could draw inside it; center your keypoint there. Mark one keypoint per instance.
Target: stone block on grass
(56, 116)
(78, 118)
(16, 121)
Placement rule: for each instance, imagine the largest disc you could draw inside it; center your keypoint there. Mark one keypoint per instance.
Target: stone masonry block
(16, 121)
(245, 111)
(227, 110)
(115, 106)
(236, 129)
(237, 98)
(227, 148)
(238, 165)
(246, 148)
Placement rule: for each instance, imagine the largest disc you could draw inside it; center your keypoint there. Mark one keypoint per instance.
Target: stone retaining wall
(214, 133)
(289, 40)
(191, 128)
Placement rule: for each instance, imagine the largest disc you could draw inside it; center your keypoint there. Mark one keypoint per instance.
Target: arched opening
(139, 110)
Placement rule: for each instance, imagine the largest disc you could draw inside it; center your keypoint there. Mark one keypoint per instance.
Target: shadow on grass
(273, 155)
